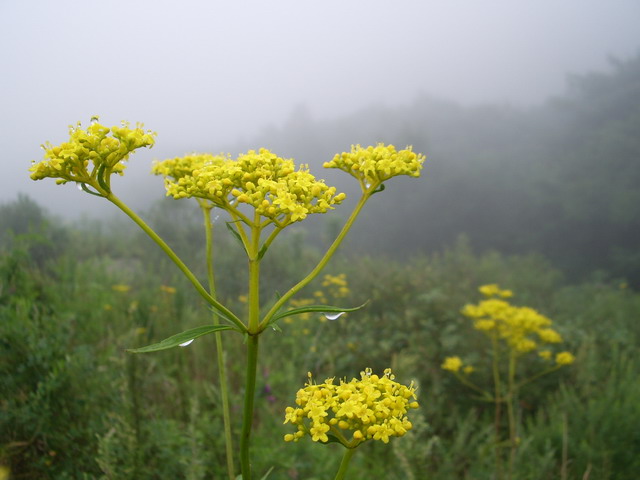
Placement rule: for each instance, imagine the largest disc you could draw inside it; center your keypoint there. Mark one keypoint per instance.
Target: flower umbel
(277, 191)
(373, 407)
(374, 165)
(522, 328)
(91, 155)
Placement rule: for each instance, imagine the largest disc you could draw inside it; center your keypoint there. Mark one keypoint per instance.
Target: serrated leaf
(315, 308)
(180, 338)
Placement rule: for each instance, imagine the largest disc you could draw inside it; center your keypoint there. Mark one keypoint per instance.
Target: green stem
(321, 264)
(472, 385)
(179, 263)
(498, 407)
(252, 349)
(346, 458)
(537, 375)
(511, 393)
(224, 390)
(254, 281)
(249, 396)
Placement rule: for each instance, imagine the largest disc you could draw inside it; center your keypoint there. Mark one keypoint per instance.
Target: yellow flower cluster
(336, 285)
(168, 289)
(454, 364)
(372, 408)
(91, 153)
(374, 165)
(493, 290)
(262, 180)
(522, 328)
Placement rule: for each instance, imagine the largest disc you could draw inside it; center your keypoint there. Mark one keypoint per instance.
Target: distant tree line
(562, 179)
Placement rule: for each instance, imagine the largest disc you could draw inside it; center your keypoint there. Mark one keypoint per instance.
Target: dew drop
(333, 316)
(216, 218)
(188, 342)
(94, 120)
(79, 186)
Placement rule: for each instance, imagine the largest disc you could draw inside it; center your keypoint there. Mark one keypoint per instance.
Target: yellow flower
(92, 155)
(374, 165)
(493, 290)
(120, 288)
(545, 354)
(453, 364)
(549, 335)
(565, 358)
(373, 407)
(516, 326)
(269, 184)
(167, 289)
(468, 369)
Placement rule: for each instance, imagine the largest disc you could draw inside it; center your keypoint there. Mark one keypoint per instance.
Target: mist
(218, 76)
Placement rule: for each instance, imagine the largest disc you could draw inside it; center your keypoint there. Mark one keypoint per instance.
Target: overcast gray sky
(205, 73)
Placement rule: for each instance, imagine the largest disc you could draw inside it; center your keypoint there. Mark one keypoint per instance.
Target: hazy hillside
(562, 179)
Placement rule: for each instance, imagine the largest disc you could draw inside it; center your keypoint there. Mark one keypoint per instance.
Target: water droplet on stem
(333, 316)
(188, 342)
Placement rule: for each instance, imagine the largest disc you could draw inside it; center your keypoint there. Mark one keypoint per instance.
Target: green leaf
(220, 314)
(262, 251)
(379, 189)
(180, 338)
(101, 180)
(264, 477)
(315, 308)
(332, 439)
(86, 189)
(236, 235)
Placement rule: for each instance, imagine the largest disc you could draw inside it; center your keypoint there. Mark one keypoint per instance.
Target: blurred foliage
(75, 405)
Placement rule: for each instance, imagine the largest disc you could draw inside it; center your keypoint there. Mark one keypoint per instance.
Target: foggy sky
(205, 74)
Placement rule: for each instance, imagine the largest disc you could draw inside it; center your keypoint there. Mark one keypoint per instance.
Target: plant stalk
(179, 263)
(249, 396)
(344, 464)
(222, 373)
(321, 264)
(498, 407)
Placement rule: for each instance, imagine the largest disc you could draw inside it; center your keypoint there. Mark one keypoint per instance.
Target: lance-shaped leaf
(181, 338)
(329, 311)
(236, 235)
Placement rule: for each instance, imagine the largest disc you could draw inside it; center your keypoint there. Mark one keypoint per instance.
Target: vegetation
(551, 214)
(78, 406)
